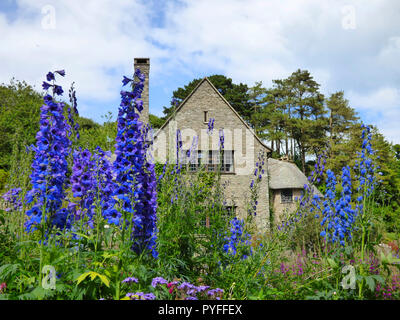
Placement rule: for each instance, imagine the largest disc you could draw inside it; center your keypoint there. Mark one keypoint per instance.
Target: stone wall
(281, 209)
(189, 118)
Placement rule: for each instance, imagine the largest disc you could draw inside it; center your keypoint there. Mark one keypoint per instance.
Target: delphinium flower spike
(49, 167)
(133, 170)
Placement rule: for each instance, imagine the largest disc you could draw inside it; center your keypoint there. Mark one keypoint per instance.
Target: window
(230, 212)
(286, 196)
(210, 160)
(205, 116)
(224, 159)
(213, 160)
(195, 160)
(227, 161)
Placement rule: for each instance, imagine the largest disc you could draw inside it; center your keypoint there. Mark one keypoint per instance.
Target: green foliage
(93, 134)
(19, 117)
(196, 208)
(155, 121)
(3, 179)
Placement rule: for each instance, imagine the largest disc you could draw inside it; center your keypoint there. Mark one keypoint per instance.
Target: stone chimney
(144, 65)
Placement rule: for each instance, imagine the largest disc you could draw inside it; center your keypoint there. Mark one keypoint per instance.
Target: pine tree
(259, 119)
(341, 120)
(305, 122)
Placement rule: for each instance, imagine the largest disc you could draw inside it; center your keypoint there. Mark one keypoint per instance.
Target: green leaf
(82, 235)
(82, 277)
(104, 279)
(332, 262)
(93, 276)
(370, 282)
(7, 270)
(378, 278)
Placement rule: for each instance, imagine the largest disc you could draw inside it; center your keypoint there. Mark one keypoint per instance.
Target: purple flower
(126, 80)
(49, 167)
(185, 286)
(58, 90)
(141, 296)
(50, 76)
(210, 125)
(158, 280)
(130, 280)
(60, 72)
(46, 85)
(214, 292)
(134, 171)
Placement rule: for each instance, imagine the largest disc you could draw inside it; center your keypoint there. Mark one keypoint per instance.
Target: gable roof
(205, 79)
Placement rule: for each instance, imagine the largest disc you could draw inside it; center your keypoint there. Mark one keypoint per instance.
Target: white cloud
(381, 108)
(96, 41)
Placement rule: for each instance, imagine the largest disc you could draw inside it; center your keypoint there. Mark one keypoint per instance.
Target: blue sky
(351, 45)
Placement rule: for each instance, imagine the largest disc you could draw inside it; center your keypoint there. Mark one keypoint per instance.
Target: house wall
(190, 120)
(280, 210)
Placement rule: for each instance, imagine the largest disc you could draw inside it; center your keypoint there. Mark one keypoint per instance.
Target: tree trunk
(303, 160)
(287, 147)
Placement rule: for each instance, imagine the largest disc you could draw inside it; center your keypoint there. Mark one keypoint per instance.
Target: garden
(92, 223)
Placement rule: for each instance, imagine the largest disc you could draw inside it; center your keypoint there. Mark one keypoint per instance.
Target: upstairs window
(227, 161)
(286, 196)
(223, 160)
(195, 160)
(211, 160)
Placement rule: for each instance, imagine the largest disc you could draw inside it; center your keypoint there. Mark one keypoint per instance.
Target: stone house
(281, 181)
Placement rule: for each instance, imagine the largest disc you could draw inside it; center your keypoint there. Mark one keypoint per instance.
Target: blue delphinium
(135, 175)
(105, 186)
(92, 183)
(13, 198)
(73, 111)
(338, 216)
(255, 183)
(210, 126)
(82, 184)
(237, 239)
(50, 165)
(329, 202)
(221, 139)
(365, 169)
